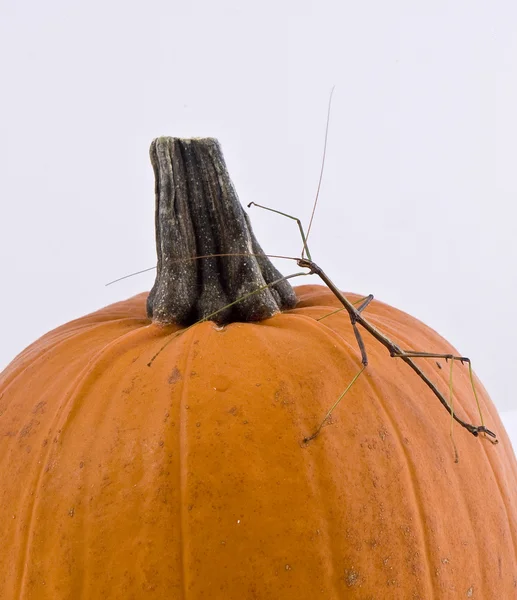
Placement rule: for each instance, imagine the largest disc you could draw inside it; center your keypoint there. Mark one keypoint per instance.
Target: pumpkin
(149, 459)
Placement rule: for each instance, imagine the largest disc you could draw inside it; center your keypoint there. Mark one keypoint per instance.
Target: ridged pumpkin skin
(189, 478)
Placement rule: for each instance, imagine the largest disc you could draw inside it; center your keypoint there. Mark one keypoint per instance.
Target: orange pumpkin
(189, 477)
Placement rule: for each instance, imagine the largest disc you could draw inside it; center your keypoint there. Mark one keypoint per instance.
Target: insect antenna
(321, 171)
(199, 258)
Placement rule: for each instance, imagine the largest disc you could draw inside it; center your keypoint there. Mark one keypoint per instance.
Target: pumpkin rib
(318, 471)
(495, 468)
(23, 557)
(350, 350)
(102, 361)
(146, 346)
(461, 383)
(82, 382)
(345, 348)
(285, 323)
(470, 408)
(471, 414)
(316, 487)
(40, 349)
(443, 376)
(403, 340)
(70, 396)
(38, 479)
(389, 410)
(505, 506)
(411, 472)
(183, 450)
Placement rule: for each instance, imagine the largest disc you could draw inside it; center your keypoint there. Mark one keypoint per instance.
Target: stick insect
(356, 313)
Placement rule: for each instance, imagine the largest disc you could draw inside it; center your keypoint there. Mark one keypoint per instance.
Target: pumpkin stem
(209, 262)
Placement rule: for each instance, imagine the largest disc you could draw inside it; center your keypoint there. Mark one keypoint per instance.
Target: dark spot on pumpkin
(351, 577)
(26, 429)
(129, 388)
(175, 376)
(39, 408)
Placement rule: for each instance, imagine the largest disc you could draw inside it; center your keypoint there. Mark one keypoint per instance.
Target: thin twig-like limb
(359, 339)
(471, 375)
(418, 354)
(393, 349)
(366, 301)
(451, 404)
(360, 343)
(321, 177)
(327, 416)
(452, 358)
(209, 317)
(360, 308)
(299, 223)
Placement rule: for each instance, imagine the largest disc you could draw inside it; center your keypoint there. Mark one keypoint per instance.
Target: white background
(417, 203)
